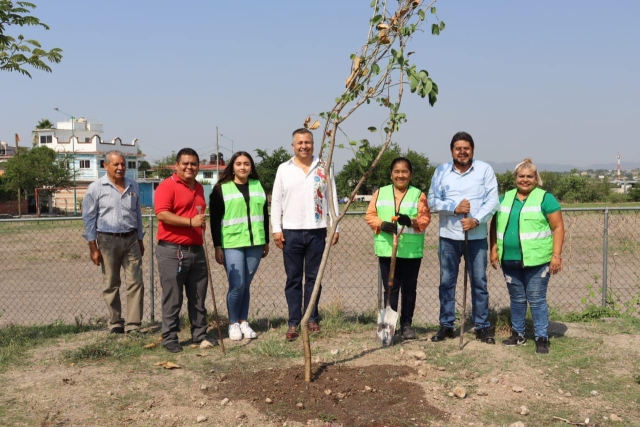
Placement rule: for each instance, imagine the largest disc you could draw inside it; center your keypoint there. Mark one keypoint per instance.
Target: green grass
(110, 346)
(16, 341)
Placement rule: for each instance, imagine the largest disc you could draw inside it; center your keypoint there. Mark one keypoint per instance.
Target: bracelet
(557, 256)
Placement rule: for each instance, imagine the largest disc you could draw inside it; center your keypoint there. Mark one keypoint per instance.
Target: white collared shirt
(299, 201)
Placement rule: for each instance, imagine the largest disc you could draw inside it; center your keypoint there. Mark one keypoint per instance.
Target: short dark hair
(301, 131)
(461, 136)
(187, 152)
(227, 173)
(399, 160)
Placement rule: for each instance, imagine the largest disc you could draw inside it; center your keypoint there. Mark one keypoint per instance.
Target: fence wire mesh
(46, 274)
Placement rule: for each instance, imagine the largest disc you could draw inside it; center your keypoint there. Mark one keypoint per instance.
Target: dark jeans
(450, 253)
(193, 276)
(405, 279)
(302, 253)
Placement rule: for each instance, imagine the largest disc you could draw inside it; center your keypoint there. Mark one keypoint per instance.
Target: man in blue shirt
(113, 227)
(465, 193)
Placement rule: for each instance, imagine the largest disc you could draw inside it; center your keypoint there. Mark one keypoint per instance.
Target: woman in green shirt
(526, 239)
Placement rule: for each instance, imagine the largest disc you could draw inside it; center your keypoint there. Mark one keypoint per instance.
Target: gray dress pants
(193, 276)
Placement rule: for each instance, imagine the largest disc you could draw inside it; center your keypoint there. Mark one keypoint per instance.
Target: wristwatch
(477, 222)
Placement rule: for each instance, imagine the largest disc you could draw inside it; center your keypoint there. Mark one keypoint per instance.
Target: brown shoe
(292, 333)
(314, 327)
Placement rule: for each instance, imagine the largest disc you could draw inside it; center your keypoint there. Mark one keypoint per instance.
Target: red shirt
(175, 196)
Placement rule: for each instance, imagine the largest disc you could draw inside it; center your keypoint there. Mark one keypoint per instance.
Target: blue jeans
(528, 284)
(449, 253)
(302, 253)
(240, 264)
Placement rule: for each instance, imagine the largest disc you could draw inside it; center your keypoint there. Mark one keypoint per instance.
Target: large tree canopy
(37, 168)
(268, 165)
(19, 52)
(381, 176)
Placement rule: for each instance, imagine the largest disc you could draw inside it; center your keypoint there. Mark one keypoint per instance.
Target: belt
(193, 248)
(125, 234)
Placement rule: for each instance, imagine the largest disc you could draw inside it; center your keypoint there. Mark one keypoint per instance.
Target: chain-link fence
(46, 274)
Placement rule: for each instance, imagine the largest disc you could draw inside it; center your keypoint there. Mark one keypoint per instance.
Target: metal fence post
(605, 255)
(151, 281)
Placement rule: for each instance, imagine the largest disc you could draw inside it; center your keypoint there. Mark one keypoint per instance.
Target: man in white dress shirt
(299, 209)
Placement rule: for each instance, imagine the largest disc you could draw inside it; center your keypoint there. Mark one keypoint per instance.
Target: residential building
(81, 143)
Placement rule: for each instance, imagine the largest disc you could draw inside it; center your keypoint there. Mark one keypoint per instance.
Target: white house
(82, 143)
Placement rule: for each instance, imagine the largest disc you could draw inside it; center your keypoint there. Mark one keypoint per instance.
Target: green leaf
(375, 69)
(433, 10)
(435, 30)
(373, 3)
(413, 83)
(441, 25)
(424, 75)
(353, 143)
(372, 129)
(421, 14)
(428, 86)
(376, 19)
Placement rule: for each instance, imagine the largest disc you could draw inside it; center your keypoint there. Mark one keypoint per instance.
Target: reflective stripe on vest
(536, 236)
(410, 241)
(242, 228)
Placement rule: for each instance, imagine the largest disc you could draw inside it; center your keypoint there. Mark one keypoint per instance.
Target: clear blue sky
(554, 80)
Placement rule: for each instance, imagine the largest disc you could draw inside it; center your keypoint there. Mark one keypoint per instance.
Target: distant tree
(268, 165)
(381, 175)
(161, 165)
(551, 181)
(44, 124)
(634, 194)
(37, 168)
(506, 182)
(144, 166)
(18, 52)
(6, 193)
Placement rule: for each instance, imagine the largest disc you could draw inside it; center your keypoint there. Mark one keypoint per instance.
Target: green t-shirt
(512, 250)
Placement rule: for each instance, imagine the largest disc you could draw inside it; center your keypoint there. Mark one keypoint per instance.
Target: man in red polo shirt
(180, 254)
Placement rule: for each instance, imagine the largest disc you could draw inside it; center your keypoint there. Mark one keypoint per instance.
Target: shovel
(387, 317)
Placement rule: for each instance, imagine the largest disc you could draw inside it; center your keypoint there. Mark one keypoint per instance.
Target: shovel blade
(387, 320)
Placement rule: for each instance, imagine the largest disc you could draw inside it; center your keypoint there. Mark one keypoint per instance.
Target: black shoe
(117, 330)
(408, 333)
(442, 334)
(172, 346)
(485, 336)
(542, 345)
(514, 339)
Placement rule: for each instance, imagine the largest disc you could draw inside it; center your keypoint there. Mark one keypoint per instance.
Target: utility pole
(19, 186)
(217, 156)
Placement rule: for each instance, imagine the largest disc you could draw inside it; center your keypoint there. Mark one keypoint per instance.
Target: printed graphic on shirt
(319, 184)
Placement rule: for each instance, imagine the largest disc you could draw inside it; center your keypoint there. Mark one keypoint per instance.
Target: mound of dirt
(341, 395)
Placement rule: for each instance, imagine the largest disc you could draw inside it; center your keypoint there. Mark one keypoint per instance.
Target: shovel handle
(394, 253)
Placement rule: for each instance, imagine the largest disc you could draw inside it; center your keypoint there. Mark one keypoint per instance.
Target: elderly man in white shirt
(299, 209)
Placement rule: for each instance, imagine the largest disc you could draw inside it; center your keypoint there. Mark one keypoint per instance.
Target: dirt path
(356, 383)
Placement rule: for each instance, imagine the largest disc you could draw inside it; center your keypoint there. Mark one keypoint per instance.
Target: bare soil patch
(375, 396)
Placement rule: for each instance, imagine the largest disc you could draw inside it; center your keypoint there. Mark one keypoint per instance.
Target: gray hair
(528, 164)
(107, 157)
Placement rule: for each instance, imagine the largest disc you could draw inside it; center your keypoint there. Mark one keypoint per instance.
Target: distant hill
(613, 165)
(549, 167)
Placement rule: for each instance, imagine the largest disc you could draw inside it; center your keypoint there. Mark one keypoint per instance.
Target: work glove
(389, 227)
(404, 220)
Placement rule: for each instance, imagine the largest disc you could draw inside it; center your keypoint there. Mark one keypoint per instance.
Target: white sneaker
(234, 332)
(247, 331)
